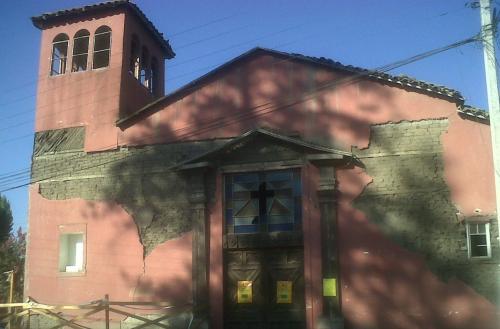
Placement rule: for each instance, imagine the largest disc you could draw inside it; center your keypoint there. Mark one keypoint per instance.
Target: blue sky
(205, 34)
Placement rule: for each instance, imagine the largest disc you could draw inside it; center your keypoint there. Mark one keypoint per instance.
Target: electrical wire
(97, 88)
(187, 45)
(416, 57)
(388, 67)
(267, 108)
(24, 136)
(8, 127)
(190, 29)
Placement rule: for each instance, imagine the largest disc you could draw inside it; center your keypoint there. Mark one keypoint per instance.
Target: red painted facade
(255, 94)
(382, 284)
(113, 256)
(94, 98)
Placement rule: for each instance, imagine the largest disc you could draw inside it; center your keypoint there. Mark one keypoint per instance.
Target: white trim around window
(478, 240)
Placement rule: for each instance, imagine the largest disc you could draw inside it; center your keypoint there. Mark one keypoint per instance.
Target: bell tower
(98, 63)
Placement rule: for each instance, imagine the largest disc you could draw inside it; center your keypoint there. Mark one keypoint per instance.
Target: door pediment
(261, 146)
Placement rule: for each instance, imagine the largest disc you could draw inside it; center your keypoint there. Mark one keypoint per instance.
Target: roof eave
(402, 82)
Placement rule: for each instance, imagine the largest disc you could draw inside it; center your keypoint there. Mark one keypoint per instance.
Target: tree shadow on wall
(403, 229)
(406, 259)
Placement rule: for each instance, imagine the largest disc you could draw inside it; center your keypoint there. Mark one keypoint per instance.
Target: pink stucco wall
(114, 256)
(133, 94)
(263, 92)
(386, 286)
(94, 98)
(87, 98)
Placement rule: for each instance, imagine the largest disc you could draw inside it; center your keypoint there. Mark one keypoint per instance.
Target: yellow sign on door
(329, 287)
(284, 292)
(244, 294)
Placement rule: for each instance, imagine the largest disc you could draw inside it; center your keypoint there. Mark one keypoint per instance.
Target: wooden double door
(264, 289)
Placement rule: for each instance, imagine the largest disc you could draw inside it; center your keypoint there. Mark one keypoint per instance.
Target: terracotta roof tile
(474, 113)
(402, 80)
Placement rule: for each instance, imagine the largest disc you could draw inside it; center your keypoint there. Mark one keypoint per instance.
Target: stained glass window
(263, 202)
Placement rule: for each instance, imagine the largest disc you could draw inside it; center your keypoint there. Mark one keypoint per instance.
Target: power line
(190, 29)
(67, 109)
(190, 44)
(93, 90)
(269, 107)
(197, 27)
(175, 64)
(268, 35)
(394, 65)
(178, 64)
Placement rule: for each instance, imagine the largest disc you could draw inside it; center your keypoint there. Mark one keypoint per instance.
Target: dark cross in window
(262, 194)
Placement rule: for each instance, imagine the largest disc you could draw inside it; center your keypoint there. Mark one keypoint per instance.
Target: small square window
(478, 240)
(71, 252)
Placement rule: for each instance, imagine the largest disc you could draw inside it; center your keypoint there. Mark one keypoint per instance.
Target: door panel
(264, 267)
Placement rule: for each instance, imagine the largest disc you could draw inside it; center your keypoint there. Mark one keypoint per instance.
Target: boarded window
(80, 51)
(134, 66)
(102, 47)
(59, 54)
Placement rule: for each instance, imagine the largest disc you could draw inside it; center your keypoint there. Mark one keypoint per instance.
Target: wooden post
(11, 297)
(28, 325)
(106, 310)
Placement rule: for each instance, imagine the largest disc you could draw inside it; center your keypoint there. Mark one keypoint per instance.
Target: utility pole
(487, 29)
(487, 33)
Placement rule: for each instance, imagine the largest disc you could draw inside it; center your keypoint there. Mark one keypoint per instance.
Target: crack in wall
(158, 200)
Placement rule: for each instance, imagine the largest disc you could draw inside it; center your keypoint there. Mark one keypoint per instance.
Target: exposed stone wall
(140, 179)
(410, 201)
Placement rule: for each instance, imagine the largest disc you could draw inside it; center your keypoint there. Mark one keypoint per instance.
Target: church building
(276, 191)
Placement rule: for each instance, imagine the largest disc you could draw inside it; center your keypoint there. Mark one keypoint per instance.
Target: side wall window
(72, 248)
(143, 67)
(102, 47)
(59, 57)
(145, 75)
(80, 51)
(71, 252)
(154, 84)
(134, 66)
(478, 240)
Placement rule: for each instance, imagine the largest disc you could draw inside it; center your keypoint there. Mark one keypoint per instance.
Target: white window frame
(470, 233)
(78, 263)
(61, 60)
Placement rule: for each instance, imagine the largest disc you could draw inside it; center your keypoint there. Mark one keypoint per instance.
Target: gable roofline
(401, 81)
(47, 19)
(314, 148)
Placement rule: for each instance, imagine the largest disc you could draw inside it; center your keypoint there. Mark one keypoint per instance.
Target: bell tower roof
(47, 20)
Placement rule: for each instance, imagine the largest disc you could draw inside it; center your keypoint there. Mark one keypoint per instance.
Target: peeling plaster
(409, 200)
